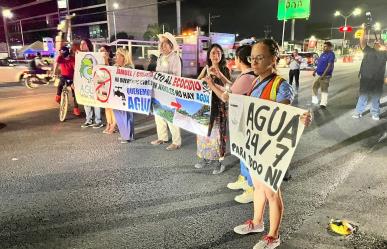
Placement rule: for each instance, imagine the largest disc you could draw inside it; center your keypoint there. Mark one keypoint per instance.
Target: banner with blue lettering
(123, 88)
(264, 135)
(184, 102)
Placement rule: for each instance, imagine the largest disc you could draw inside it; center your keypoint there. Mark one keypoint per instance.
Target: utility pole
(209, 22)
(293, 27)
(21, 31)
(6, 31)
(178, 16)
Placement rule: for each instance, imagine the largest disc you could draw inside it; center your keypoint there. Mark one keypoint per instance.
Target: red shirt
(66, 66)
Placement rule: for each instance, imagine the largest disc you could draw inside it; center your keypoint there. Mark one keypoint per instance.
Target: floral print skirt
(209, 147)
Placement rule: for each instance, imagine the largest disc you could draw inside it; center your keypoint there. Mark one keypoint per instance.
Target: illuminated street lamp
(377, 26)
(115, 7)
(6, 13)
(355, 12)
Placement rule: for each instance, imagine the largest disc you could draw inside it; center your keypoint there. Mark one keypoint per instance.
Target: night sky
(249, 17)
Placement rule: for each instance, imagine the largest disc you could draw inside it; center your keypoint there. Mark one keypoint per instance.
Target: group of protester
(258, 79)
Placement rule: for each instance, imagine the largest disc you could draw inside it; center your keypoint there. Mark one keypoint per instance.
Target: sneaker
(86, 124)
(383, 137)
(219, 168)
(203, 163)
(57, 98)
(356, 115)
(248, 227)
(124, 141)
(97, 126)
(375, 117)
(246, 197)
(268, 242)
(323, 107)
(76, 111)
(314, 100)
(241, 183)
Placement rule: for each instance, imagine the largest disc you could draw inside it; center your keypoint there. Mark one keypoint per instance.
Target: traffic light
(345, 29)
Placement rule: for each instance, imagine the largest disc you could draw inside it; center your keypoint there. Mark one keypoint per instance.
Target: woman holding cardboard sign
(241, 85)
(269, 86)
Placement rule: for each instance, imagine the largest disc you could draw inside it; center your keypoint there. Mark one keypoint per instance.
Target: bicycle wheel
(64, 102)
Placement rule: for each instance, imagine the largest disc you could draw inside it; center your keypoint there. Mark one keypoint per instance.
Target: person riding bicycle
(66, 62)
(36, 64)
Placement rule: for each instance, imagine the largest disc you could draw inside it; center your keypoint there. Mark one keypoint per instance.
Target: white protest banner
(264, 135)
(83, 76)
(182, 101)
(123, 88)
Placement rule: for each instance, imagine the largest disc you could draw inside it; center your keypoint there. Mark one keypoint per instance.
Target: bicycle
(64, 100)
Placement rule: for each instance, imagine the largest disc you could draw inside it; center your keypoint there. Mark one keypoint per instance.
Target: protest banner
(182, 101)
(83, 76)
(123, 88)
(264, 135)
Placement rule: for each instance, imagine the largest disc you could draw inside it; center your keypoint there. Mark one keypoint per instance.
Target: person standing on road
(294, 72)
(264, 58)
(87, 46)
(241, 85)
(324, 70)
(372, 71)
(109, 114)
(124, 119)
(169, 62)
(213, 146)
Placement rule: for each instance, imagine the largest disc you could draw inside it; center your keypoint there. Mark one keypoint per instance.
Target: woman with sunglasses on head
(241, 85)
(213, 147)
(268, 85)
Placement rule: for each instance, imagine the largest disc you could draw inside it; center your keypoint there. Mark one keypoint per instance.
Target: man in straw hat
(169, 62)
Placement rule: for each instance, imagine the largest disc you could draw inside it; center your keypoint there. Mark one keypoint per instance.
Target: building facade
(94, 19)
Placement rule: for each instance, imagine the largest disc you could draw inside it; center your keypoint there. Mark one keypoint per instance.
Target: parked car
(11, 71)
(309, 60)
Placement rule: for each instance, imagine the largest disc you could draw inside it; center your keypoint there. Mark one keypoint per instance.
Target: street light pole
(21, 31)
(355, 12)
(178, 16)
(345, 31)
(283, 26)
(3, 12)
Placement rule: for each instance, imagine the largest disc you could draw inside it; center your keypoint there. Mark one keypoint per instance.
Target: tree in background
(153, 30)
(122, 35)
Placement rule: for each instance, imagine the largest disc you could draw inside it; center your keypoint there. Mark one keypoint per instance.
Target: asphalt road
(67, 187)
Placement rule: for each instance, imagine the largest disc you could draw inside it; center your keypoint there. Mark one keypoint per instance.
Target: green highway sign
(384, 35)
(293, 9)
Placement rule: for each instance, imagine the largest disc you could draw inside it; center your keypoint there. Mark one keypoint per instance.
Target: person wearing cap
(67, 63)
(169, 62)
(372, 73)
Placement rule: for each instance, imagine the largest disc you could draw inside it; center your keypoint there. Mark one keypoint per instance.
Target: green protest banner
(293, 9)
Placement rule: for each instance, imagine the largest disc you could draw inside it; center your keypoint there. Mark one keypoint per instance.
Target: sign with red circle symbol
(103, 80)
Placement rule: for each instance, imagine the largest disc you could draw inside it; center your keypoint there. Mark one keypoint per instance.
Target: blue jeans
(245, 172)
(363, 101)
(89, 114)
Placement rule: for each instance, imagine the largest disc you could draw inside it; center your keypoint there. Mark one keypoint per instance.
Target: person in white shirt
(169, 62)
(294, 66)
